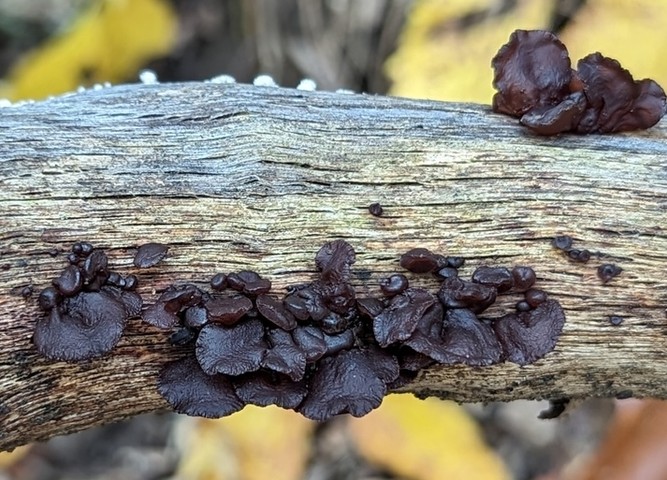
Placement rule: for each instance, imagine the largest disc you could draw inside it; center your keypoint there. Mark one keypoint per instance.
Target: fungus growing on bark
(150, 254)
(231, 350)
(275, 312)
(420, 260)
(189, 390)
(375, 209)
(536, 83)
(458, 293)
(350, 382)
(319, 349)
(249, 283)
(526, 337)
(227, 310)
(394, 284)
(607, 271)
(85, 315)
(265, 388)
(284, 356)
(85, 326)
(398, 321)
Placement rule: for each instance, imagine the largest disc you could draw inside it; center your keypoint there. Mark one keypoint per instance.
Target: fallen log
(238, 177)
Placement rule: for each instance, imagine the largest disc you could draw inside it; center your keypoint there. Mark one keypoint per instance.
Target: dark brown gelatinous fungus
(266, 388)
(164, 312)
(420, 260)
(85, 326)
(219, 281)
(150, 254)
(615, 320)
(189, 390)
(562, 242)
(458, 293)
(532, 69)
(346, 383)
(394, 284)
(248, 283)
(284, 356)
(535, 297)
(527, 337)
(398, 321)
(556, 408)
(499, 277)
(227, 310)
(311, 342)
(231, 350)
(581, 256)
(607, 271)
(334, 260)
(616, 102)
(275, 312)
(70, 281)
(468, 340)
(523, 278)
(536, 83)
(375, 209)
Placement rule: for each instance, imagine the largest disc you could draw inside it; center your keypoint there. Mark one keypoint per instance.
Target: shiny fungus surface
(189, 390)
(231, 350)
(528, 336)
(535, 82)
(150, 254)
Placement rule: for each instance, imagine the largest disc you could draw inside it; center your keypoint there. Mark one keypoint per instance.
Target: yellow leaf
(7, 459)
(633, 33)
(253, 444)
(425, 440)
(110, 42)
(442, 57)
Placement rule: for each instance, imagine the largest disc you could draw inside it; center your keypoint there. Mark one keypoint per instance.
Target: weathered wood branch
(239, 177)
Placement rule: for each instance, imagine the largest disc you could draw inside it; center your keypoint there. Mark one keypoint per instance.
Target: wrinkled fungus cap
(264, 388)
(533, 68)
(85, 326)
(345, 383)
(190, 391)
(231, 350)
(528, 336)
(150, 254)
(284, 356)
(398, 321)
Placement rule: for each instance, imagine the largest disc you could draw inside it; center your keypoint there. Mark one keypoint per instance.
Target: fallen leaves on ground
(109, 42)
(634, 447)
(253, 444)
(425, 440)
(446, 47)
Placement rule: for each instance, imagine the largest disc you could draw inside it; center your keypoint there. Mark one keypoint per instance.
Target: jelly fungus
(535, 83)
(318, 349)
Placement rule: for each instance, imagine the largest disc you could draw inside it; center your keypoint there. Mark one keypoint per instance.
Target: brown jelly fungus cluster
(87, 307)
(322, 351)
(317, 349)
(535, 82)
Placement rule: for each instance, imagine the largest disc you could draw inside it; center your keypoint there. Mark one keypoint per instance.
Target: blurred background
(436, 49)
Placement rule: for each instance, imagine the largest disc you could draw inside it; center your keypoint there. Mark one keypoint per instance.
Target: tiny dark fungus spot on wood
(607, 271)
(556, 408)
(623, 394)
(375, 209)
(615, 320)
(150, 254)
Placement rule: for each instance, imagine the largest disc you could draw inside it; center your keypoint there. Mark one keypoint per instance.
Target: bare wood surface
(238, 177)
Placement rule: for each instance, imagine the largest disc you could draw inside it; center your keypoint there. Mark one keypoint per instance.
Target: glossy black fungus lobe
(394, 284)
(150, 254)
(562, 242)
(499, 277)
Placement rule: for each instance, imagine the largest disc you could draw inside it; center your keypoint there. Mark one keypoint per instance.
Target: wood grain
(235, 177)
